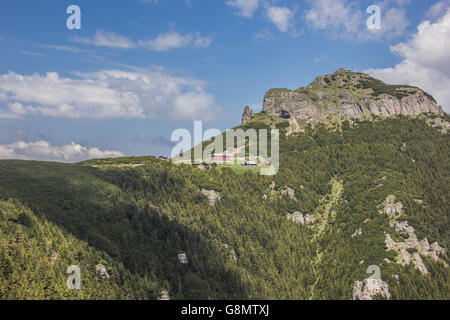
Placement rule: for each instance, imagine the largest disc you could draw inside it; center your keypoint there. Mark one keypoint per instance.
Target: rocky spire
(247, 114)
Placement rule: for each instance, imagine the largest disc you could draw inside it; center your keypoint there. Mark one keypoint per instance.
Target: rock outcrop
(101, 270)
(391, 207)
(212, 195)
(367, 289)
(290, 193)
(403, 227)
(357, 233)
(182, 258)
(296, 217)
(286, 104)
(348, 94)
(247, 114)
(410, 250)
(53, 257)
(299, 218)
(164, 295)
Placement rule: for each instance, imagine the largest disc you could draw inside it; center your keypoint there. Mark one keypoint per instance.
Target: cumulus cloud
(246, 8)
(163, 42)
(426, 60)
(44, 151)
(107, 94)
(281, 17)
(346, 19)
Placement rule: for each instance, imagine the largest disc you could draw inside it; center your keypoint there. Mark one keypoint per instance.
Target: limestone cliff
(348, 94)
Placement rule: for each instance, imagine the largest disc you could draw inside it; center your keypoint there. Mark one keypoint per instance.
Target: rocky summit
(350, 95)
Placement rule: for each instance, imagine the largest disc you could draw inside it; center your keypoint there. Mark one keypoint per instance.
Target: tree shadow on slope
(145, 239)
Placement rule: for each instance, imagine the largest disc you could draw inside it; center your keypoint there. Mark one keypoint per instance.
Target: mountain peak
(348, 94)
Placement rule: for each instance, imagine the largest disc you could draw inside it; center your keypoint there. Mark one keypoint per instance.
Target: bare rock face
(357, 233)
(296, 217)
(232, 252)
(53, 257)
(101, 270)
(349, 94)
(396, 278)
(367, 289)
(290, 193)
(286, 104)
(299, 218)
(164, 295)
(433, 250)
(395, 208)
(182, 258)
(212, 195)
(309, 219)
(403, 227)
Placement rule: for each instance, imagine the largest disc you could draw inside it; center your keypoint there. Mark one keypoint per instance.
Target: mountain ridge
(348, 94)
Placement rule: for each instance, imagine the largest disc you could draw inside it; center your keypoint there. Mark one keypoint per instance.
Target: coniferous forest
(133, 216)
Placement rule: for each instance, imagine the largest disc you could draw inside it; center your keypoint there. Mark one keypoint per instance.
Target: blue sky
(138, 69)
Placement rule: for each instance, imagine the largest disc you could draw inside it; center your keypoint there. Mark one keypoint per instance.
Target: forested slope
(135, 215)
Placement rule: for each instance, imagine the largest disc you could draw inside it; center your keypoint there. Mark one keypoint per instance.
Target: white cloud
(345, 19)
(30, 53)
(43, 150)
(437, 10)
(334, 15)
(167, 41)
(263, 35)
(64, 48)
(202, 42)
(246, 8)
(320, 58)
(107, 94)
(281, 17)
(163, 42)
(426, 60)
(107, 39)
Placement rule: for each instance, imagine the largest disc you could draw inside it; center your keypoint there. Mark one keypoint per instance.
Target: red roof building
(219, 158)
